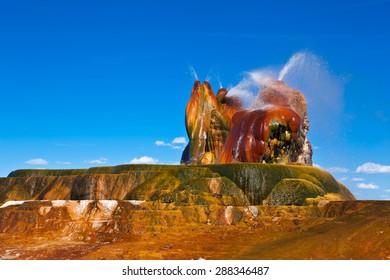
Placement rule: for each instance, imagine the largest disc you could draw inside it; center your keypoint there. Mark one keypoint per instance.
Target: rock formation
(217, 184)
(221, 130)
(106, 204)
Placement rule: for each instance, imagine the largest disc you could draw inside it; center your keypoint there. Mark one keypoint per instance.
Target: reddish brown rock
(255, 134)
(220, 130)
(198, 122)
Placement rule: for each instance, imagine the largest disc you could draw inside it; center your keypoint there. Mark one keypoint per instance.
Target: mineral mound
(238, 184)
(273, 130)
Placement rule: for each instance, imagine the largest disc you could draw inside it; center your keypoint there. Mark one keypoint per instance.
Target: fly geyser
(246, 180)
(222, 130)
(256, 147)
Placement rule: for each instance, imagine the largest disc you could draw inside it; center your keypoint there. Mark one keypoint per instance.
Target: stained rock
(293, 192)
(221, 130)
(215, 184)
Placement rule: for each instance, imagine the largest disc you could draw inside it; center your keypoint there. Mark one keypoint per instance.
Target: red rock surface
(248, 137)
(273, 130)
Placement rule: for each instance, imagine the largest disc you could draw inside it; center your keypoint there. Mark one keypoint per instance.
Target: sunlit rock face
(208, 119)
(198, 120)
(272, 130)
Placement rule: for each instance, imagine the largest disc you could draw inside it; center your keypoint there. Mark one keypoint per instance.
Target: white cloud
(316, 165)
(355, 179)
(337, 169)
(37, 161)
(63, 162)
(177, 143)
(144, 160)
(369, 186)
(160, 143)
(179, 140)
(101, 160)
(343, 179)
(388, 190)
(371, 168)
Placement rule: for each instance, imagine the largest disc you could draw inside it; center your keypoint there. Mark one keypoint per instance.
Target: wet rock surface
(140, 230)
(272, 130)
(219, 184)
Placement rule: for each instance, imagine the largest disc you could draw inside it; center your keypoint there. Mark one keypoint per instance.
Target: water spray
(193, 72)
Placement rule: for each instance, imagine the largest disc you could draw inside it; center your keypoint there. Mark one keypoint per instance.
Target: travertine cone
(221, 130)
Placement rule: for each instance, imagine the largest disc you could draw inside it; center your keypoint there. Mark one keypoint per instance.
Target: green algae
(257, 180)
(220, 184)
(189, 186)
(293, 192)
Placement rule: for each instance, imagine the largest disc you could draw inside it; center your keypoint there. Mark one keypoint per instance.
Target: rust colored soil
(363, 233)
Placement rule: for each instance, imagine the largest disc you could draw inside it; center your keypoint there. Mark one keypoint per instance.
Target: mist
(310, 74)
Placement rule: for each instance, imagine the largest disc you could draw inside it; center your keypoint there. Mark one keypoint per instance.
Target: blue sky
(87, 83)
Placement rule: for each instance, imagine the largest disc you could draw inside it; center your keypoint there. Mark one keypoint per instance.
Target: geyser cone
(198, 110)
(222, 131)
(198, 118)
